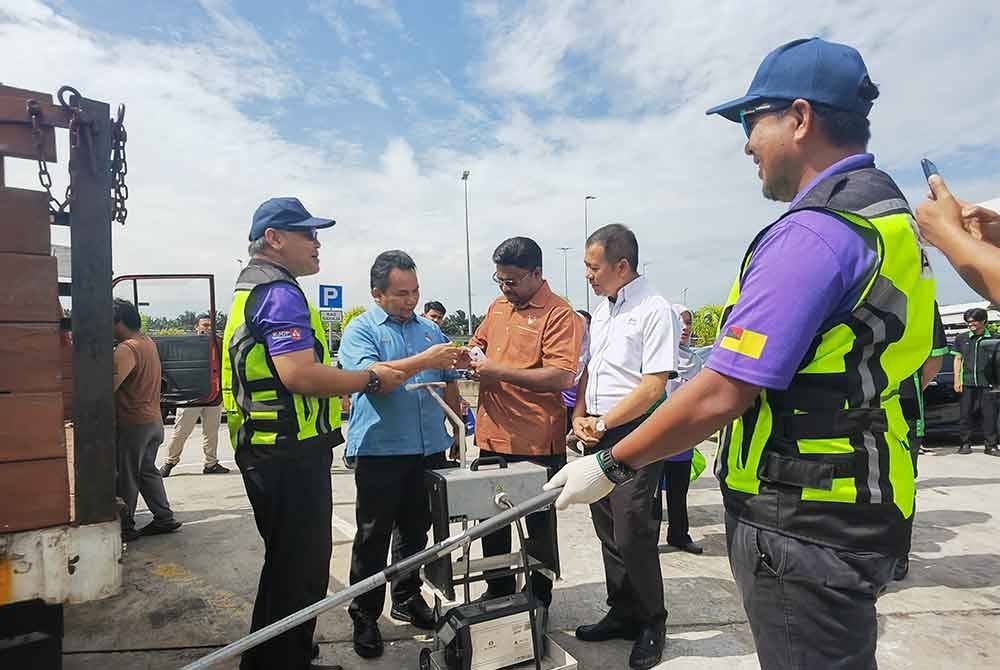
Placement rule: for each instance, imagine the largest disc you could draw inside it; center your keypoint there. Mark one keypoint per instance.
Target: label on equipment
(502, 642)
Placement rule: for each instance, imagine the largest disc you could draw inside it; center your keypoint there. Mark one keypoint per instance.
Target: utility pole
(468, 261)
(565, 271)
(586, 234)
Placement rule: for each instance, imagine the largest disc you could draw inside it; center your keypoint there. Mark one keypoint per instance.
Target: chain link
(119, 167)
(119, 159)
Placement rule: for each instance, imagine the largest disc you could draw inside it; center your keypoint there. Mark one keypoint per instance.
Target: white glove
(582, 481)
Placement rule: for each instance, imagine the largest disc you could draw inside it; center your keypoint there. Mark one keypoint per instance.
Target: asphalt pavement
(190, 592)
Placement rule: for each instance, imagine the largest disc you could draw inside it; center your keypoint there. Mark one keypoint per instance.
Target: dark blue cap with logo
(284, 214)
(812, 69)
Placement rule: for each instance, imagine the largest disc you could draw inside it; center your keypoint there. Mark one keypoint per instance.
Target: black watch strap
(618, 473)
(374, 383)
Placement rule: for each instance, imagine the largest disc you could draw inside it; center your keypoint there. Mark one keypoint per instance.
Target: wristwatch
(600, 426)
(374, 383)
(618, 473)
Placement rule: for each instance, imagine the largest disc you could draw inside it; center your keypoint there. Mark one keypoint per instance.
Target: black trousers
(391, 493)
(292, 502)
(979, 400)
(809, 606)
(677, 480)
(540, 524)
(627, 522)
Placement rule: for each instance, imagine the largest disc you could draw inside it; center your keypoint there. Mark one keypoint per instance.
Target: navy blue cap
(284, 214)
(812, 69)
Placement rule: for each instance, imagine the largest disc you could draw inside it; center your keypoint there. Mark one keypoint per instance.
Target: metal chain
(119, 168)
(44, 178)
(119, 159)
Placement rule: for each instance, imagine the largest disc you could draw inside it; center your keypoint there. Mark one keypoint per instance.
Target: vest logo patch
(744, 342)
(290, 334)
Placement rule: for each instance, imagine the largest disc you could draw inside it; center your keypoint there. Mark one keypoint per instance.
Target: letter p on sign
(331, 296)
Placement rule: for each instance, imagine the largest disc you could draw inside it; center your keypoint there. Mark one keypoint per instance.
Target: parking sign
(331, 296)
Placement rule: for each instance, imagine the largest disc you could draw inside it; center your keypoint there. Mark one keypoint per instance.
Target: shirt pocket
(523, 346)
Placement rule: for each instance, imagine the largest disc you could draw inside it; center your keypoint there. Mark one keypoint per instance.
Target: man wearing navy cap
(282, 407)
(831, 311)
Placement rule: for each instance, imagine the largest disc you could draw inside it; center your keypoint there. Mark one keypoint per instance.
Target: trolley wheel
(425, 659)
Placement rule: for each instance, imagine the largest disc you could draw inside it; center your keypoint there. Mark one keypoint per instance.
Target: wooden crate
(30, 358)
(30, 289)
(33, 494)
(31, 426)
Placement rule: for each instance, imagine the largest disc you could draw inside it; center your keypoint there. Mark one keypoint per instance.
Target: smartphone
(929, 168)
(476, 354)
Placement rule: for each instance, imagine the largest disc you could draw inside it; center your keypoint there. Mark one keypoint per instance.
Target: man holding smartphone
(832, 310)
(528, 350)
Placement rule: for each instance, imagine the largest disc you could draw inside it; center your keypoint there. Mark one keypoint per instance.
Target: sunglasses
(309, 233)
(765, 107)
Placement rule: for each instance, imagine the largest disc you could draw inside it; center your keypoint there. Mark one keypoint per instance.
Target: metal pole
(468, 262)
(684, 296)
(586, 234)
(404, 567)
(565, 271)
(448, 412)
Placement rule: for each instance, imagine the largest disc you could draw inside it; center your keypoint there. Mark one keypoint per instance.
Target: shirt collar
(381, 316)
(631, 289)
(849, 164)
(541, 297)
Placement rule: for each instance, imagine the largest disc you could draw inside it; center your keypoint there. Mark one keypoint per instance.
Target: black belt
(812, 473)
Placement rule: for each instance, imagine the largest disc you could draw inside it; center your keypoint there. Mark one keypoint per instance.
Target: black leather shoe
(965, 449)
(489, 594)
(320, 666)
(648, 649)
(166, 468)
(691, 547)
(608, 628)
(415, 612)
(217, 469)
(367, 637)
(992, 451)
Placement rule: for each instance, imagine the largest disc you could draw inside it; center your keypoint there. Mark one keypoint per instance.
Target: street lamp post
(565, 271)
(586, 234)
(468, 262)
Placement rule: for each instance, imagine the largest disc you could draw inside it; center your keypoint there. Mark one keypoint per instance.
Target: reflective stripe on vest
(827, 459)
(259, 409)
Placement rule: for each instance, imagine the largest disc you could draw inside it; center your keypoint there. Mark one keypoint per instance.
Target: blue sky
(369, 111)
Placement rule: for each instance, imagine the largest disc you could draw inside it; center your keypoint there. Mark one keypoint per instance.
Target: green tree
(357, 310)
(705, 324)
(457, 323)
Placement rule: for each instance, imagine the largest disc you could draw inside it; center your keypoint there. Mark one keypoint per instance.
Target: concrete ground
(188, 593)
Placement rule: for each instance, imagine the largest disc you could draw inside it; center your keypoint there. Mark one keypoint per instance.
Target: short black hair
(585, 314)
(847, 129)
(386, 262)
(976, 314)
(521, 252)
(126, 313)
(618, 242)
(436, 306)
(203, 315)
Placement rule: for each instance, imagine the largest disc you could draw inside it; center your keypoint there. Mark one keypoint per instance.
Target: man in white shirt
(633, 351)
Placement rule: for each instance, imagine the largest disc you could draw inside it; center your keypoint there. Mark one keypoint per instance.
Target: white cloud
(199, 164)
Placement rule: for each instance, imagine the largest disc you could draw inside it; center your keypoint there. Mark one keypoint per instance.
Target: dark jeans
(292, 502)
(536, 525)
(979, 400)
(809, 606)
(627, 522)
(137, 473)
(391, 493)
(677, 480)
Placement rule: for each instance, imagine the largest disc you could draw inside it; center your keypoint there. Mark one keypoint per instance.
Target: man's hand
(487, 371)
(585, 429)
(390, 377)
(981, 223)
(441, 356)
(582, 481)
(940, 216)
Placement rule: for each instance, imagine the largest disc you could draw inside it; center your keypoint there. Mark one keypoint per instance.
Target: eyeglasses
(771, 106)
(510, 283)
(310, 233)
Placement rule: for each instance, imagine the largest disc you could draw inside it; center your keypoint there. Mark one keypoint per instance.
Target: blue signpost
(331, 296)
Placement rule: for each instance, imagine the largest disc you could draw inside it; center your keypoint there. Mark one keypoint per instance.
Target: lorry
(60, 533)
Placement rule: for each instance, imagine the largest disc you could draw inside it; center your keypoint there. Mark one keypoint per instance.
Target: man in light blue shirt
(393, 438)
